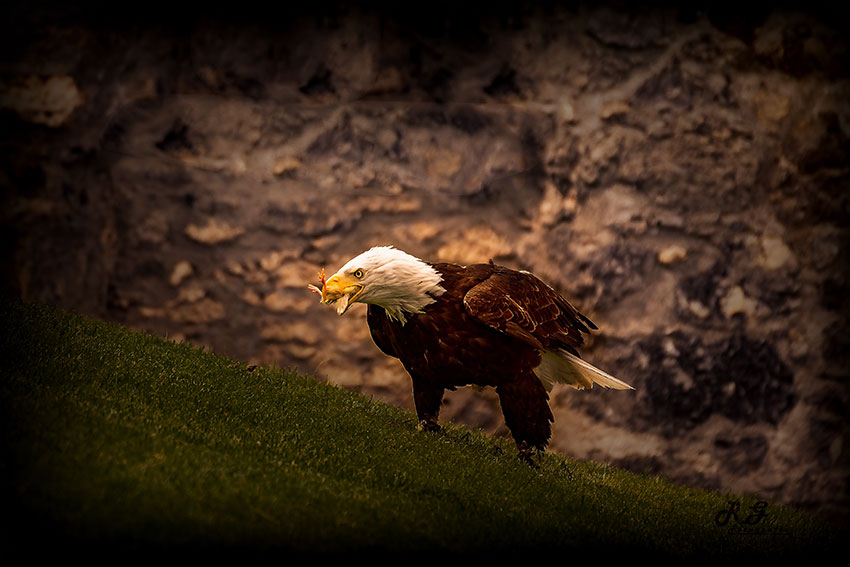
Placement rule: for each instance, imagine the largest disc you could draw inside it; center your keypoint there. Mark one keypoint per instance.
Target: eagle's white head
(383, 276)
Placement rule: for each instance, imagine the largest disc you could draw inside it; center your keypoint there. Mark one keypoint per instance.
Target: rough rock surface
(680, 175)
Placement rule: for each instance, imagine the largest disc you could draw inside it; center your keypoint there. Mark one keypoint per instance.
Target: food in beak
(332, 291)
(315, 289)
(342, 304)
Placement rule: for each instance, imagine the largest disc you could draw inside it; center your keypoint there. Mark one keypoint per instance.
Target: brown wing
(519, 304)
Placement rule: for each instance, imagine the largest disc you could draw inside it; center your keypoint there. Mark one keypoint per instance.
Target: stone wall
(680, 175)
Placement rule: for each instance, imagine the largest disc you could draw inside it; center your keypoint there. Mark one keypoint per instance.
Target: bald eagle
(482, 324)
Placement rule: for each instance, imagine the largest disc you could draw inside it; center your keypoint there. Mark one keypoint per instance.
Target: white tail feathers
(562, 367)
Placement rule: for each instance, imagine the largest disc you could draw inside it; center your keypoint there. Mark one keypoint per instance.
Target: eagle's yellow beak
(342, 290)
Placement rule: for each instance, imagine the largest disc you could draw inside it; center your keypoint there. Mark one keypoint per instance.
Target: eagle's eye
(358, 273)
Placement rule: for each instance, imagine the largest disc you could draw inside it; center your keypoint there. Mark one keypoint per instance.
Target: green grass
(118, 437)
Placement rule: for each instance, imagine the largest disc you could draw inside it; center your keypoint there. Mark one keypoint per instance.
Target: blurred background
(680, 175)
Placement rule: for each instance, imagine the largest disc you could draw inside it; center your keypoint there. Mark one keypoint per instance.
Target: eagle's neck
(409, 289)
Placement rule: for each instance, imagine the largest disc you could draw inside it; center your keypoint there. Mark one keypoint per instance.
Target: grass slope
(113, 436)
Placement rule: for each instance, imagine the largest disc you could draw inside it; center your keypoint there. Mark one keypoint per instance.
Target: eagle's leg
(527, 453)
(427, 399)
(525, 405)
